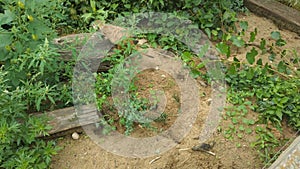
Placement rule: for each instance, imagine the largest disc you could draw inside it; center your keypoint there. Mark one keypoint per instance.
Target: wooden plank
(76, 41)
(66, 119)
(289, 158)
(283, 16)
(66, 43)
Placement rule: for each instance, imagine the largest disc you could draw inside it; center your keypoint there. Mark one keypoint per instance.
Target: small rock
(202, 83)
(75, 136)
(142, 41)
(209, 101)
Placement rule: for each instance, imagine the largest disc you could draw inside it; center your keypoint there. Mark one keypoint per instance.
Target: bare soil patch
(84, 153)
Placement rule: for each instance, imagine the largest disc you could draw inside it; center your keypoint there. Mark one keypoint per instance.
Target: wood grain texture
(289, 158)
(283, 16)
(67, 119)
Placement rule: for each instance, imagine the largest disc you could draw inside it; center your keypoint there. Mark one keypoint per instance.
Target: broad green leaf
(5, 39)
(226, 36)
(195, 73)
(284, 100)
(262, 46)
(279, 114)
(51, 99)
(275, 35)
(237, 62)
(240, 135)
(251, 122)
(87, 16)
(15, 77)
(238, 41)
(250, 56)
(281, 67)
(42, 66)
(253, 35)
(93, 5)
(223, 48)
(244, 25)
(250, 73)
(7, 17)
(186, 56)
(174, 48)
(259, 62)
(234, 120)
(248, 131)
(272, 56)
(208, 32)
(232, 69)
(127, 6)
(214, 32)
(4, 54)
(38, 103)
(241, 128)
(280, 42)
(200, 65)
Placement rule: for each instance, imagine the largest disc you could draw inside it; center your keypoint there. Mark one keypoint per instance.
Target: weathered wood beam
(283, 16)
(67, 119)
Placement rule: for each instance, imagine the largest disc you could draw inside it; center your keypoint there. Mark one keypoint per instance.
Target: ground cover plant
(34, 77)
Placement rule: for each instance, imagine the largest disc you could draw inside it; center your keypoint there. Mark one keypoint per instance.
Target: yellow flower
(30, 18)
(34, 37)
(21, 5)
(8, 48)
(27, 50)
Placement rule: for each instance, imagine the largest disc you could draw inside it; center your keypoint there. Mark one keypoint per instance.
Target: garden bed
(192, 101)
(236, 153)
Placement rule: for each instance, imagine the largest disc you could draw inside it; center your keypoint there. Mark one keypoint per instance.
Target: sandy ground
(85, 153)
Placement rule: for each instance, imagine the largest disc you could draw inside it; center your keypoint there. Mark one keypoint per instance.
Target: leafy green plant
(31, 80)
(276, 98)
(266, 87)
(162, 118)
(107, 124)
(28, 55)
(120, 77)
(33, 75)
(19, 145)
(205, 13)
(268, 94)
(25, 25)
(266, 144)
(202, 12)
(240, 124)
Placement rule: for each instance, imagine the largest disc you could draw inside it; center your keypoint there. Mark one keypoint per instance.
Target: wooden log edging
(283, 16)
(290, 158)
(66, 119)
